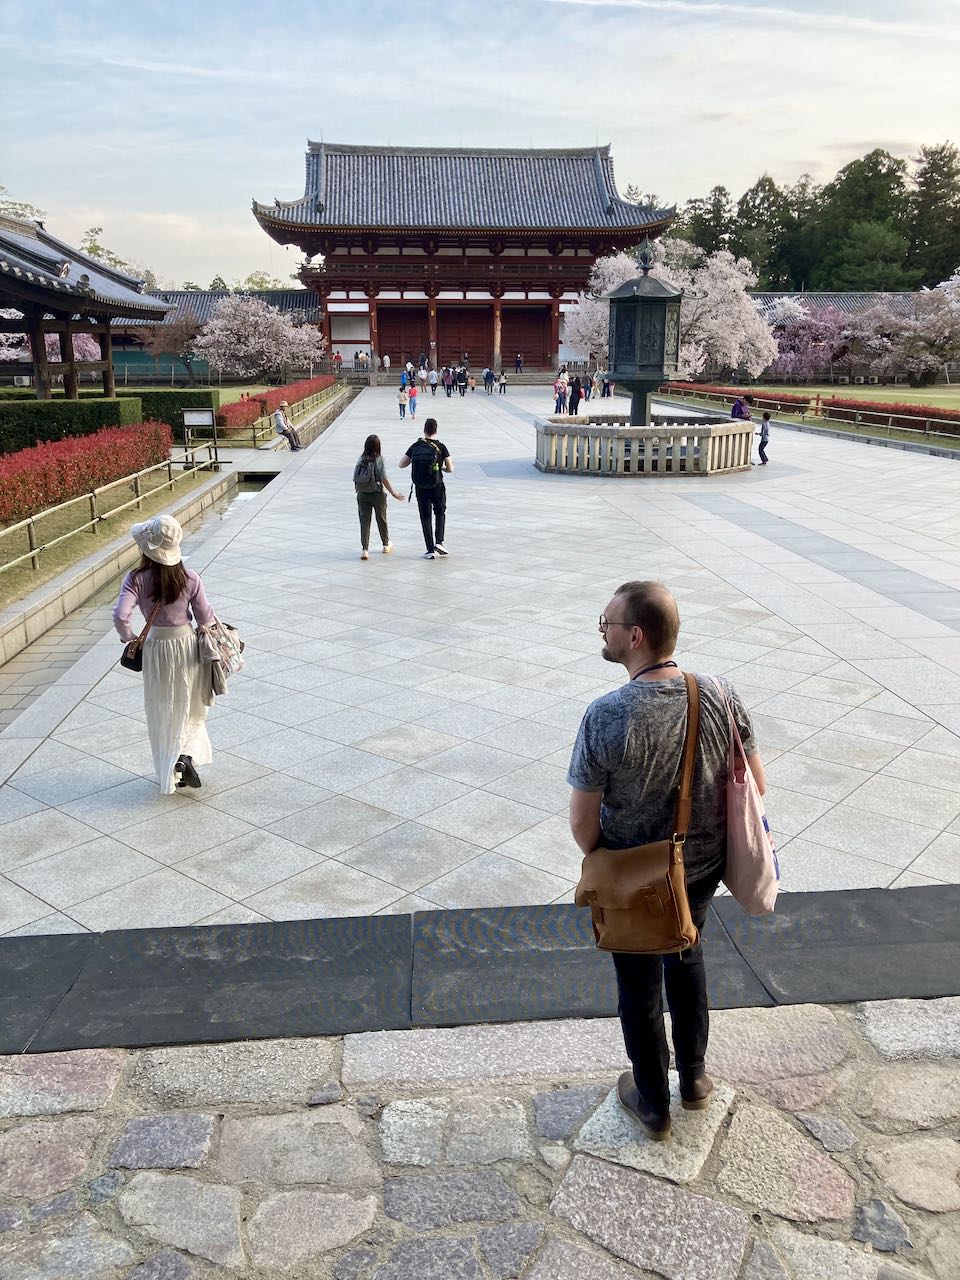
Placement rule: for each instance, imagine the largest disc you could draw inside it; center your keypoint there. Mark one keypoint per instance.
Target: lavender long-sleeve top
(135, 593)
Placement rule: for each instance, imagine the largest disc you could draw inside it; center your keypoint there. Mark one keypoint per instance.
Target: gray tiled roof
(432, 187)
(853, 304)
(36, 266)
(199, 304)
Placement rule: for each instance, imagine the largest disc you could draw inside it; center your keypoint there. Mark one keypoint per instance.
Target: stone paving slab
(489, 1153)
(772, 569)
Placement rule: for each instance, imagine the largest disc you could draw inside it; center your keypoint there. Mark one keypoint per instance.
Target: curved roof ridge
(349, 148)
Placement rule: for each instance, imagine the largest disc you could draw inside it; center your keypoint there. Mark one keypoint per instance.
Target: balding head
(650, 606)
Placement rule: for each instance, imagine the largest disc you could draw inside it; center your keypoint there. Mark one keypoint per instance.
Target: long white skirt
(173, 701)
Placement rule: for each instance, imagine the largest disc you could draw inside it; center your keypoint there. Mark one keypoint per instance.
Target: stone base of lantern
(610, 446)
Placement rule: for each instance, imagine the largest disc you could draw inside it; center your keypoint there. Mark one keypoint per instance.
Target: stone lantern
(644, 337)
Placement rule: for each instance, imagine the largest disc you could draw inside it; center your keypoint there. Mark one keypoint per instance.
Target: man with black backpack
(429, 458)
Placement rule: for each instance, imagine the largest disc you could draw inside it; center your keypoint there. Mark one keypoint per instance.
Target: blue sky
(160, 122)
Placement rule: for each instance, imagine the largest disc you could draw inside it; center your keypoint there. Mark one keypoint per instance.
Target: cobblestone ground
(830, 1152)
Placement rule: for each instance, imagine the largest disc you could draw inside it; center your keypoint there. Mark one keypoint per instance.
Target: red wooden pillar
(555, 333)
(374, 331)
(325, 330)
(433, 354)
(106, 355)
(497, 332)
(41, 370)
(70, 389)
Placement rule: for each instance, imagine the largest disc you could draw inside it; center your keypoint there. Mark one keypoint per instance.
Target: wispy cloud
(836, 21)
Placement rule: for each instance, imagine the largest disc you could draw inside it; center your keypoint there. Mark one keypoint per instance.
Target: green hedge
(167, 406)
(24, 423)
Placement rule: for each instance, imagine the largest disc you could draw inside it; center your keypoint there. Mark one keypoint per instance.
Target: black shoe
(695, 1094)
(654, 1124)
(187, 775)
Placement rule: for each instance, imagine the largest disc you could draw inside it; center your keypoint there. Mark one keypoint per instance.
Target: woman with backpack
(168, 596)
(371, 483)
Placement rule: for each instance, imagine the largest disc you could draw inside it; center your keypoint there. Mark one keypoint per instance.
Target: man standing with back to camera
(625, 774)
(429, 458)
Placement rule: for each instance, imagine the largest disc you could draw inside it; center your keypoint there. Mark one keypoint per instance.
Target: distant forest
(882, 224)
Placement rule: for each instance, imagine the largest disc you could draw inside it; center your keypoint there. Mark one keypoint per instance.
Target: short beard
(607, 655)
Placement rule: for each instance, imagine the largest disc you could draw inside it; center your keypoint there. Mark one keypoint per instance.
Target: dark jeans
(763, 451)
(292, 439)
(640, 983)
(432, 504)
(369, 505)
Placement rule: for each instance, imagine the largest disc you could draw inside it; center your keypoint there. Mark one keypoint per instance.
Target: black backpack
(425, 458)
(365, 475)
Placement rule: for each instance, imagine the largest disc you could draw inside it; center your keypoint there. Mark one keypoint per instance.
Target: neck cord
(657, 666)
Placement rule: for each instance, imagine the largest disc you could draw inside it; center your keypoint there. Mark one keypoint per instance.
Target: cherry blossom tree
(176, 337)
(719, 324)
(919, 344)
(247, 338)
(810, 341)
(16, 346)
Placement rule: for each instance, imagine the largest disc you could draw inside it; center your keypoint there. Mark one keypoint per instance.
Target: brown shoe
(695, 1094)
(654, 1124)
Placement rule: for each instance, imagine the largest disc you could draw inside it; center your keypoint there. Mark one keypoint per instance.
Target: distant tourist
(412, 399)
(586, 384)
(422, 374)
(518, 363)
(433, 380)
(281, 424)
(386, 363)
(502, 382)
(169, 596)
(338, 361)
(472, 383)
(605, 385)
(741, 408)
(488, 380)
(576, 395)
(402, 398)
(372, 485)
(625, 773)
(429, 458)
(597, 383)
(448, 381)
(764, 434)
(462, 381)
(422, 362)
(560, 396)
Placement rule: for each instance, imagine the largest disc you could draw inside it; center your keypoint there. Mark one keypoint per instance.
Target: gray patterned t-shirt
(630, 747)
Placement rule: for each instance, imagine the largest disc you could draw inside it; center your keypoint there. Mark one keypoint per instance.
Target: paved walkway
(400, 736)
(486, 1153)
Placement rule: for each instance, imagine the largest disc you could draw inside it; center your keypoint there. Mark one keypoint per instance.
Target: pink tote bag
(752, 874)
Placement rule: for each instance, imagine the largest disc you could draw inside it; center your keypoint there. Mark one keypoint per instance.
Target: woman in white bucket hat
(169, 594)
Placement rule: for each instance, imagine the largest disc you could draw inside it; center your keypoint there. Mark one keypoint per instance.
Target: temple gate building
(450, 252)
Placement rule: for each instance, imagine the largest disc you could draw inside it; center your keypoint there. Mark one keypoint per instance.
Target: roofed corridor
(400, 736)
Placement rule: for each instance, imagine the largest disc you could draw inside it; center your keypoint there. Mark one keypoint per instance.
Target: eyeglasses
(606, 622)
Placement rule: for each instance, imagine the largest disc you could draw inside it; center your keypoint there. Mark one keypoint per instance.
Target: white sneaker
(428, 555)
(364, 554)
(388, 549)
(441, 550)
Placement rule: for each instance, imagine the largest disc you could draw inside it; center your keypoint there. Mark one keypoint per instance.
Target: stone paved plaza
(400, 736)
(491, 1152)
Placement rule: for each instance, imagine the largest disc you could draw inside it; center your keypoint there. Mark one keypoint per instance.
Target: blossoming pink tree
(14, 346)
(247, 338)
(719, 324)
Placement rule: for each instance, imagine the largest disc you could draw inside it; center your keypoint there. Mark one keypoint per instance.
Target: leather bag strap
(149, 623)
(685, 796)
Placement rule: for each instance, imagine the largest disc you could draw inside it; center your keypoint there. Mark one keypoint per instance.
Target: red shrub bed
(47, 474)
(773, 395)
(244, 413)
(884, 409)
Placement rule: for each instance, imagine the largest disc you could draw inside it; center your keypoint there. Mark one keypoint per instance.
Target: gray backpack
(365, 475)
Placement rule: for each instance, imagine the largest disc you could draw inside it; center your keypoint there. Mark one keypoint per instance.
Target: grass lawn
(942, 396)
(227, 394)
(20, 581)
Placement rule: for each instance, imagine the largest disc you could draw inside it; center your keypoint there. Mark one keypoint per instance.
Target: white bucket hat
(159, 539)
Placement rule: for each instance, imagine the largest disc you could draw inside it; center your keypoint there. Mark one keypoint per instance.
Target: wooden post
(106, 354)
(433, 353)
(94, 513)
(497, 333)
(70, 389)
(41, 370)
(555, 333)
(32, 539)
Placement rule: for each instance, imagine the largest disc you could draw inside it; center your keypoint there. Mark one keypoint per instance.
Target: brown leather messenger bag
(638, 897)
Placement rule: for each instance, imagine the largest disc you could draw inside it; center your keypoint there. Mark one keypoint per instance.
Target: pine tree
(934, 213)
